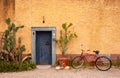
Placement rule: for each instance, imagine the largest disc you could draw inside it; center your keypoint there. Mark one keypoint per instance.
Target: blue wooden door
(43, 47)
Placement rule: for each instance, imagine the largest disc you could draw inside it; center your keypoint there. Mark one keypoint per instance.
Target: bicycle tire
(103, 63)
(77, 62)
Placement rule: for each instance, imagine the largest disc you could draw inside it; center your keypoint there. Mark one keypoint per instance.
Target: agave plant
(65, 37)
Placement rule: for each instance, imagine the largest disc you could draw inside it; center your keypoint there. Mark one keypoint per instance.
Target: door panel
(43, 47)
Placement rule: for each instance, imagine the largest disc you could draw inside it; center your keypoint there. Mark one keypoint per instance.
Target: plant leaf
(64, 26)
(69, 25)
(22, 26)
(7, 21)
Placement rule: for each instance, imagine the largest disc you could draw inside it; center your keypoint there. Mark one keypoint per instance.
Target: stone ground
(50, 72)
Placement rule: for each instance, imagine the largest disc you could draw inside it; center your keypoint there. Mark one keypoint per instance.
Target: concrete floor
(51, 72)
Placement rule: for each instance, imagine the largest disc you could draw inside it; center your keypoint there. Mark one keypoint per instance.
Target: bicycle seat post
(81, 46)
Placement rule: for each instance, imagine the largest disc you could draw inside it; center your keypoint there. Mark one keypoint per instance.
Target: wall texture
(96, 22)
(7, 9)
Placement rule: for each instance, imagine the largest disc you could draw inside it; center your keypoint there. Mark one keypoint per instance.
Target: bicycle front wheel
(103, 63)
(77, 62)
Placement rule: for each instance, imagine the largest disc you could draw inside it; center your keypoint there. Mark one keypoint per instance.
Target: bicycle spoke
(77, 62)
(103, 63)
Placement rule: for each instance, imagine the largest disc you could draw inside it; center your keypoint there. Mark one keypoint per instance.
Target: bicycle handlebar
(84, 50)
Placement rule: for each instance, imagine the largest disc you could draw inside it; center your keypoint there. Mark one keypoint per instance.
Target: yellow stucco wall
(96, 22)
(7, 9)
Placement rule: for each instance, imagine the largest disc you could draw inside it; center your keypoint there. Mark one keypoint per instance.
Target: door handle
(47, 43)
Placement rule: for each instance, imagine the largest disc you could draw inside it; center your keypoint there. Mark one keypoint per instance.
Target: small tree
(9, 41)
(65, 37)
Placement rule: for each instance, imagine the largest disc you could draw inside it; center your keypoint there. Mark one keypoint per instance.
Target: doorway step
(43, 66)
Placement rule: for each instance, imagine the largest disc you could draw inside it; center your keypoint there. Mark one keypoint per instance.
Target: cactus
(9, 39)
(65, 37)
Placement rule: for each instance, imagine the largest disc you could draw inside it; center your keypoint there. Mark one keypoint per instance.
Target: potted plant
(65, 37)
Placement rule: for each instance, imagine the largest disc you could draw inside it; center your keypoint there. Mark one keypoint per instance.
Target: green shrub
(16, 66)
(70, 62)
(117, 63)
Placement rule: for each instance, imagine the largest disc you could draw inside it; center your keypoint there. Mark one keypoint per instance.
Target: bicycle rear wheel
(103, 63)
(77, 62)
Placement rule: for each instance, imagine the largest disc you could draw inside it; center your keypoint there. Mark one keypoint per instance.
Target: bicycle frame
(92, 57)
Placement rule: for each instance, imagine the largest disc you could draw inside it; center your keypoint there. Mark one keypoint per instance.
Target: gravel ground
(72, 73)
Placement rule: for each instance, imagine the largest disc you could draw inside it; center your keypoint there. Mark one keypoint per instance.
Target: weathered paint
(7, 9)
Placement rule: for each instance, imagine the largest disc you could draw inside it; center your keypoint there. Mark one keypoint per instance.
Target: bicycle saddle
(96, 51)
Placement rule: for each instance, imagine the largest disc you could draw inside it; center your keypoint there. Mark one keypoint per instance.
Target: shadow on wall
(7, 9)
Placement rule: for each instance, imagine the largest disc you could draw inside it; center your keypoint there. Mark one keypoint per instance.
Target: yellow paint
(96, 22)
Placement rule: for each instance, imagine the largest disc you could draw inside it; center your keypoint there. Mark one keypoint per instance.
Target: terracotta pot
(63, 62)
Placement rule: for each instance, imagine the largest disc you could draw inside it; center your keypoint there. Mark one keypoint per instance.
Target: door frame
(34, 30)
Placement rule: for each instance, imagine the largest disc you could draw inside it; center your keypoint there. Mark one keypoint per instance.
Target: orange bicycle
(103, 63)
